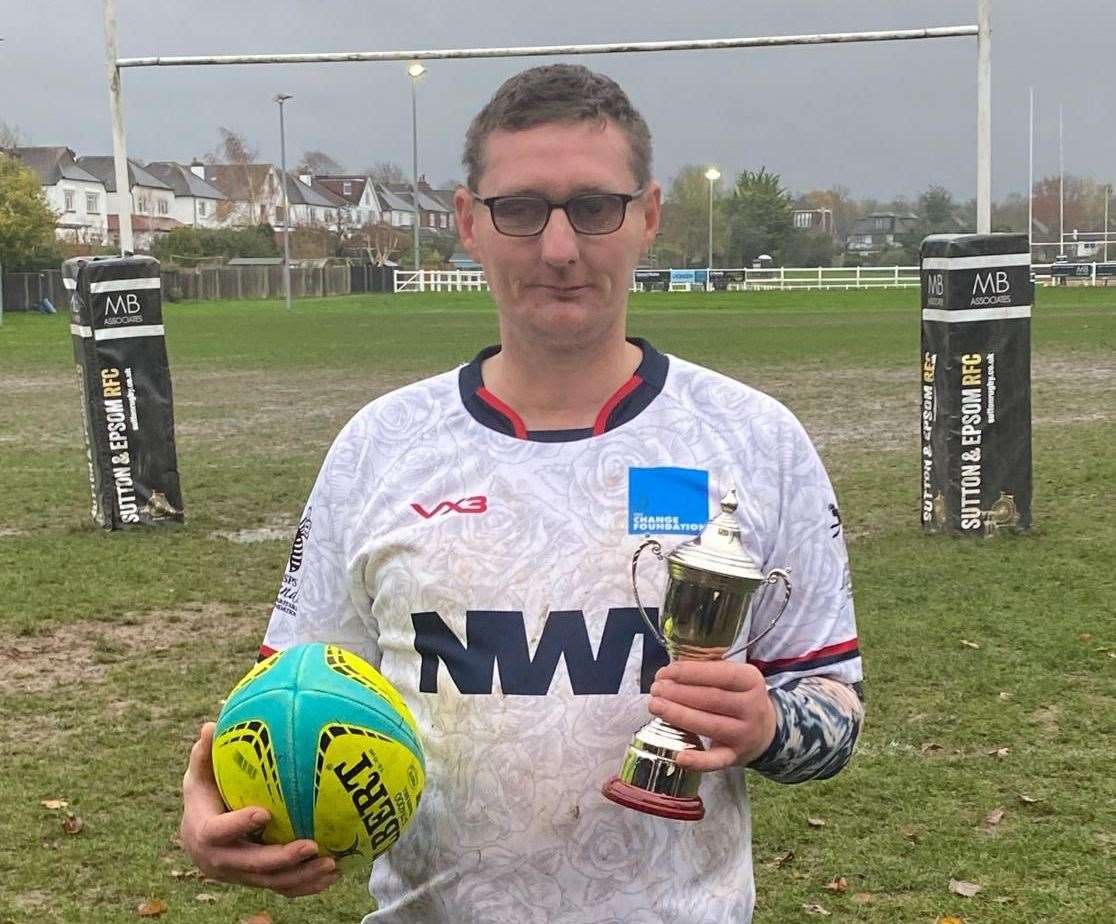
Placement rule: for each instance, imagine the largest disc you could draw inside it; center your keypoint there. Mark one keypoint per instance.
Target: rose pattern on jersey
(516, 777)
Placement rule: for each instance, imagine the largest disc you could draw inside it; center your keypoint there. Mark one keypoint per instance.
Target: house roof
(316, 196)
(183, 180)
(52, 164)
(336, 185)
(426, 201)
(103, 167)
(394, 202)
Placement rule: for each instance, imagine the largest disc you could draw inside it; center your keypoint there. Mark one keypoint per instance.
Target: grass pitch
(989, 664)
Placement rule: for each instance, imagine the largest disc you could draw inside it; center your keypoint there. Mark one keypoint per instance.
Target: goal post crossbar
(982, 31)
(765, 41)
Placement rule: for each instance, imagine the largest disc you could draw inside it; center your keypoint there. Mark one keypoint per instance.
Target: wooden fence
(24, 291)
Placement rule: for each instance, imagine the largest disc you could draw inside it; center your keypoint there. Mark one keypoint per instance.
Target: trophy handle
(772, 576)
(657, 551)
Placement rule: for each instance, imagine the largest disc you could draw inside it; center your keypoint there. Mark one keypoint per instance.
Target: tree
(26, 221)
(385, 171)
(684, 229)
(11, 136)
(840, 203)
(243, 186)
(760, 218)
(318, 163)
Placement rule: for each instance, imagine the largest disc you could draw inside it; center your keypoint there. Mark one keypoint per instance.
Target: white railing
(752, 280)
(440, 281)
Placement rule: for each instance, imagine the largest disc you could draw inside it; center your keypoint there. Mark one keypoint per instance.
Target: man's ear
(652, 212)
(466, 219)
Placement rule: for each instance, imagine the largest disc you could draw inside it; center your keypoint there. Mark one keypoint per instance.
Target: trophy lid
(718, 549)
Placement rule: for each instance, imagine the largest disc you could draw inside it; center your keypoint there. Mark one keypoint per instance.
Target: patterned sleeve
(322, 596)
(817, 721)
(811, 658)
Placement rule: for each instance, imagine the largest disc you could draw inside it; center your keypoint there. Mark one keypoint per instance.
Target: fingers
(705, 699)
(725, 675)
(716, 758)
(225, 828)
(718, 727)
(304, 877)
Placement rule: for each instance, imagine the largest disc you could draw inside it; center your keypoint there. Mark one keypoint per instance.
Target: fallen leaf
(1027, 800)
(205, 897)
(1005, 696)
(837, 885)
(963, 888)
(969, 644)
(260, 917)
(1111, 654)
(993, 818)
(1085, 637)
(815, 908)
(950, 919)
(929, 747)
(999, 753)
(910, 833)
(54, 804)
(152, 908)
(72, 824)
(1005, 900)
(863, 898)
(816, 822)
(783, 859)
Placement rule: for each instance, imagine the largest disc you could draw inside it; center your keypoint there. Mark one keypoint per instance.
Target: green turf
(108, 664)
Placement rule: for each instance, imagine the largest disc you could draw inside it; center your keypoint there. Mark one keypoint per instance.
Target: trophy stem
(650, 779)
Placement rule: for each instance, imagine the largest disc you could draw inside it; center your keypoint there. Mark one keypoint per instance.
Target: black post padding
(116, 319)
(977, 295)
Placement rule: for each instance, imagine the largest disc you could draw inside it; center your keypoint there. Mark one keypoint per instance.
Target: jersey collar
(624, 404)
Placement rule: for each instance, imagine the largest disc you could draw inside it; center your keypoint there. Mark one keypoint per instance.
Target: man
(471, 535)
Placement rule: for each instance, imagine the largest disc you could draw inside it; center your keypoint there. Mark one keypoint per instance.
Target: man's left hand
(724, 701)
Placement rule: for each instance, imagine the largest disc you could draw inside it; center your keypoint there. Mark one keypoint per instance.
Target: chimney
(422, 184)
(197, 168)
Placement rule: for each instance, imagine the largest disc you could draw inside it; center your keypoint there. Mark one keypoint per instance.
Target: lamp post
(416, 70)
(1107, 196)
(280, 99)
(712, 174)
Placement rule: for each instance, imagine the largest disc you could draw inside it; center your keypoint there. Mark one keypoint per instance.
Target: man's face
(558, 288)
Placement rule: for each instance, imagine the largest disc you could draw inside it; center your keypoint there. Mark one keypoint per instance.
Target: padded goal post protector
(116, 317)
(975, 376)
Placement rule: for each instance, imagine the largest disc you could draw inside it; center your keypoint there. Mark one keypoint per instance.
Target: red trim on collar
(610, 405)
(266, 651)
(497, 405)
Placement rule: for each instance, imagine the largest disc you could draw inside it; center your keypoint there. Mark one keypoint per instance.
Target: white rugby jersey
(486, 571)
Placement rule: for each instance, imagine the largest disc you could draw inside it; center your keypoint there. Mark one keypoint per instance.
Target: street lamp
(280, 99)
(712, 174)
(416, 70)
(1107, 196)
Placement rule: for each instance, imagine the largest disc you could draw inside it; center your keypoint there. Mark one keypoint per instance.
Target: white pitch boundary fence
(820, 277)
(754, 280)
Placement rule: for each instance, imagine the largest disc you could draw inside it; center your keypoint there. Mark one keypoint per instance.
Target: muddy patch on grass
(83, 652)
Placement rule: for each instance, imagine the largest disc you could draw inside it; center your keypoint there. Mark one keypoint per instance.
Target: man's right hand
(219, 840)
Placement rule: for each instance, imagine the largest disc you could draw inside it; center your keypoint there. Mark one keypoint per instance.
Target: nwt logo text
(476, 504)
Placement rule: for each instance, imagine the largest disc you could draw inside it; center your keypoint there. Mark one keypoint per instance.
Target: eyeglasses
(526, 216)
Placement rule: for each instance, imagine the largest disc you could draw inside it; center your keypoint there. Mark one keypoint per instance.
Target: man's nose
(559, 240)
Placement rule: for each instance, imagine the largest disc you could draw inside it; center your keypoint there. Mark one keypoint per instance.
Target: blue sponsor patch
(667, 500)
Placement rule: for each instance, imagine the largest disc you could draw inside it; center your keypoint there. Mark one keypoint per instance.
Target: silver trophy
(705, 611)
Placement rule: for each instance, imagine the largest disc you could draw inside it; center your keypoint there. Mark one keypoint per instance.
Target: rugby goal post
(982, 30)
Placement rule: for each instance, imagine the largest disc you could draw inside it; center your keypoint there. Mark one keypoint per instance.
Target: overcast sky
(883, 119)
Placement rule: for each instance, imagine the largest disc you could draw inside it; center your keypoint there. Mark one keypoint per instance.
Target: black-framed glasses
(588, 213)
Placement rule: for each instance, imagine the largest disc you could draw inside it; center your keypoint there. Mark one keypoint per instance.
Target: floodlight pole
(1107, 196)
(119, 145)
(1031, 177)
(712, 174)
(984, 117)
(280, 99)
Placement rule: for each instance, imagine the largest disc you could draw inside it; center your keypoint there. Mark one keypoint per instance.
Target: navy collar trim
(624, 405)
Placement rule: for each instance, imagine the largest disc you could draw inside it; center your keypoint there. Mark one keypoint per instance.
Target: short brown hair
(557, 93)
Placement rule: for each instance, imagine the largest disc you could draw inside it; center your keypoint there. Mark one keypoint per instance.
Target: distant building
(361, 204)
(76, 196)
(879, 231)
(818, 220)
(252, 192)
(196, 202)
(152, 199)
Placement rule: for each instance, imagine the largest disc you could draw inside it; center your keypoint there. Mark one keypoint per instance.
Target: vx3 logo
(476, 504)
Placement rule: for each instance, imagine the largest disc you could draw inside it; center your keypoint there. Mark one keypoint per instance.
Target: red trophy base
(689, 808)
